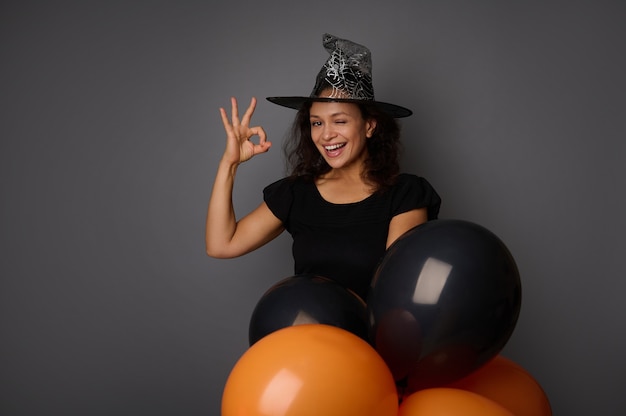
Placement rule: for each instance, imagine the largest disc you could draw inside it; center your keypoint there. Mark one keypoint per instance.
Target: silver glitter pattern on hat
(348, 70)
(345, 77)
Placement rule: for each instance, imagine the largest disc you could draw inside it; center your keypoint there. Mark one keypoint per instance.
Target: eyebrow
(339, 113)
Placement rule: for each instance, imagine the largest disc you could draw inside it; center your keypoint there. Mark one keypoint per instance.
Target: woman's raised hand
(239, 147)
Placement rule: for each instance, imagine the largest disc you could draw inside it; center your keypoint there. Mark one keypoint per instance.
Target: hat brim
(296, 103)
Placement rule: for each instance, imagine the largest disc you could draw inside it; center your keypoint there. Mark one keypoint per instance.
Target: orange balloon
(444, 401)
(508, 384)
(307, 370)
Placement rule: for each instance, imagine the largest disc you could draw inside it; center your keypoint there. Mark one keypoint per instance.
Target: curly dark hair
(381, 166)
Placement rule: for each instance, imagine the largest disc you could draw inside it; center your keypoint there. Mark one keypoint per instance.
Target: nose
(328, 133)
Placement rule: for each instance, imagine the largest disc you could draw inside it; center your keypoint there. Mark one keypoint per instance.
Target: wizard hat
(348, 73)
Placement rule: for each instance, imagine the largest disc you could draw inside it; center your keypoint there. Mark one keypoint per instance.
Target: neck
(352, 174)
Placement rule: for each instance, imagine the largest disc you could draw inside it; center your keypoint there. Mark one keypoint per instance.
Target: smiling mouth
(334, 147)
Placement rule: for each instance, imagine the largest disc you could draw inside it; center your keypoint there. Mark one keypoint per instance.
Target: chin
(335, 164)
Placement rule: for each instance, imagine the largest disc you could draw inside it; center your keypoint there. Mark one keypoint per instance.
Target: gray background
(110, 136)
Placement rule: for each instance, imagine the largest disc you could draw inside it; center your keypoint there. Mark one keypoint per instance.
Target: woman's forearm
(221, 222)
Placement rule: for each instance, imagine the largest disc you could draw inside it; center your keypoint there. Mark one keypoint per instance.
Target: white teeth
(334, 146)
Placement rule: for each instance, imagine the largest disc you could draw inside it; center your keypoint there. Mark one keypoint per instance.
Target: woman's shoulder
(406, 179)
(281, 195)
(284, 184)
(285, 188)
(411, 191)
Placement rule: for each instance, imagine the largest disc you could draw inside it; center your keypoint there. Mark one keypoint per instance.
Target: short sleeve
(413, 192)
(279, 197)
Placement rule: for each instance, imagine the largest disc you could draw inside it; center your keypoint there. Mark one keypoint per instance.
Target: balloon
(307, 370)
(449, 289)
(508, 384)
(308, 299)
(450, 402)
(398, 350)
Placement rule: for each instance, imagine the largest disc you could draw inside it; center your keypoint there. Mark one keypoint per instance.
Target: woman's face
(340, 133)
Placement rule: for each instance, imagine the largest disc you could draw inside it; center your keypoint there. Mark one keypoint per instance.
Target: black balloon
(444, 300)
(308, 299)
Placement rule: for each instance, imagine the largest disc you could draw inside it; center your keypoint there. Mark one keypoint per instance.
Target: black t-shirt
(344, 242)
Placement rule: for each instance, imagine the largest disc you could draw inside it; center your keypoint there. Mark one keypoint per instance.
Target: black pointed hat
(348, 74)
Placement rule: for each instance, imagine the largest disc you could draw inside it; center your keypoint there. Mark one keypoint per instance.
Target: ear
(370, 127)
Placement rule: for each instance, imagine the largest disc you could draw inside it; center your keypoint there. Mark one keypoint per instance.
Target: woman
(345, 201)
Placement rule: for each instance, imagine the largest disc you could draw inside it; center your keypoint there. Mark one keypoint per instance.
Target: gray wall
(110, 136)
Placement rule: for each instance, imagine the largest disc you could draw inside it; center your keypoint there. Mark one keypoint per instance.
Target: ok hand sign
(239, 147)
